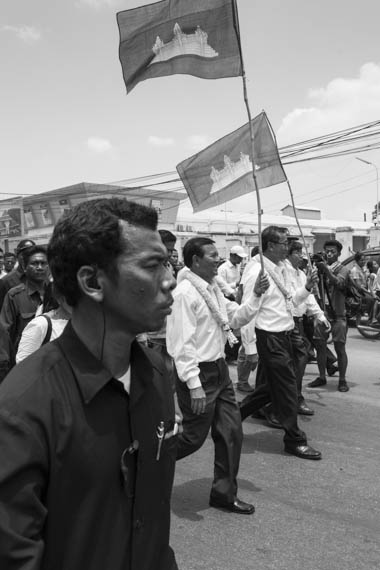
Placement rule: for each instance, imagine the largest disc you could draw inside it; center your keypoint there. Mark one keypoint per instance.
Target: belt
(297, 319)
(210, 362)
(280, 333)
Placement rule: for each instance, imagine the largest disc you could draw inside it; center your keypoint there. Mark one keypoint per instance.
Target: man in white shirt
(274, 323)
(229, 271)
(197, 330)
(310, 307)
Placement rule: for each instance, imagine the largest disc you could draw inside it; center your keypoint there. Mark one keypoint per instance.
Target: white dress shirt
(192, 333)
(309, 307)
(35, 332)
(272, 314)
(230, 273)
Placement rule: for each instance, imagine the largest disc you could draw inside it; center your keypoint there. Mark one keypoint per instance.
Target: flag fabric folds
(223, 171)
(196, 37)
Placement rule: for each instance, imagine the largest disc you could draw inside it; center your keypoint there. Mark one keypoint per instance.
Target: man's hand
(325, 322)
(198, 400)
(311, 278)
(262, 284)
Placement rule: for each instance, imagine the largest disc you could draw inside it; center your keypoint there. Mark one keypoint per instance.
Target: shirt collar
(91, 374)
(202, 283)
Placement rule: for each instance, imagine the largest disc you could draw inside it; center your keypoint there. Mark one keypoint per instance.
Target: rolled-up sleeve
(23, 471)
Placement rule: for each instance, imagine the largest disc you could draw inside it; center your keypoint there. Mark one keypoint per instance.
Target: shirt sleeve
(8, 316)
(181, 339)
(23, 472)
(32, 338)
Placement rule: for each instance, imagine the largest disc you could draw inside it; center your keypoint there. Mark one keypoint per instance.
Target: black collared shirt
(66, 500)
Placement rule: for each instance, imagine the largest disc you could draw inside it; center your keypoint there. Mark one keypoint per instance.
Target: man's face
(295, 258)
(235, 258)
(279, 248)
(9, 262)
(332, 254)
(139, 298)
(37, 268)
(361, 261)
(207, 266)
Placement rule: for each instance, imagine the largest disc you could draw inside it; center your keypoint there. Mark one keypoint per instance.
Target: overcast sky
(314, 66)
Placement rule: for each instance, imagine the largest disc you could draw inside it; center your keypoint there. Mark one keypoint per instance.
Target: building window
(29, 218)
(45, 215)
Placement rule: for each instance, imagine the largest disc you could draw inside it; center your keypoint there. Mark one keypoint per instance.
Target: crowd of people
(114, 358)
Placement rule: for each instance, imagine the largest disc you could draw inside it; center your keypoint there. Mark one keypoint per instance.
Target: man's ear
(90, 282)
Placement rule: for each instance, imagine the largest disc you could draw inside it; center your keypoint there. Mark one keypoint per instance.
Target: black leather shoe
(332, 369)
(342, 386)
(317, 383)
(303, 451)
(271, 419)
(238, 507)
(304, 410)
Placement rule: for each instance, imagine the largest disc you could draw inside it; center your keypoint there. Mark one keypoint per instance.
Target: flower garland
(282, 286)
(219, 313)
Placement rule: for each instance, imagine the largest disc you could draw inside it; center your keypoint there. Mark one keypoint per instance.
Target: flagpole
(252, 136)
(298, 223)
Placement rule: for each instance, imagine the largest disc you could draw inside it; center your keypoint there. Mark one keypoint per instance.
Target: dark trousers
(223, 417)
(299, 351)
(280, 386)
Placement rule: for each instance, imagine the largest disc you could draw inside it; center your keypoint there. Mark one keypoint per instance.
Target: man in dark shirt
(87, 423)
(21, 302)
(16, 276)
(335, 279)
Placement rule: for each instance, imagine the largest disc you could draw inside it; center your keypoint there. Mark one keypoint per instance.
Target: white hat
(238, 250)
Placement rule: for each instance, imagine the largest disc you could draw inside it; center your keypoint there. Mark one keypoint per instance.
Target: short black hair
(294, 245)
(271, 234)
(194, 247)
(32, 250)
(370, 266)
(333, 243)
(255, 250)
(358, 255)
(167, 236)
(9, 254)
(90, 234)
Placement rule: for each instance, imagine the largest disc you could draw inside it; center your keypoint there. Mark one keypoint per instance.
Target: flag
(197, 37)
(223, 171)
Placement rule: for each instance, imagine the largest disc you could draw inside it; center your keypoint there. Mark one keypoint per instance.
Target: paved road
(309, 515)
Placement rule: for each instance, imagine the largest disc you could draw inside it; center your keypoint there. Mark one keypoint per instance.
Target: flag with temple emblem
(195, 37)
(223, 171)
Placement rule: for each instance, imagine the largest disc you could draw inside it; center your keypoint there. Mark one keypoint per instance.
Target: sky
(65, 117)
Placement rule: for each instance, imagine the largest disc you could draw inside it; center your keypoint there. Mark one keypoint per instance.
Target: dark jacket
(19, 308)
(14, 278)
(72, 497)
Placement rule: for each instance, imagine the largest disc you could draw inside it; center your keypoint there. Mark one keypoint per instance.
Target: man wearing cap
(16, 276)
(229, 271)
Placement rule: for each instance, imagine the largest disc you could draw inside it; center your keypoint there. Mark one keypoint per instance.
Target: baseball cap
(238, 250)
(24, 244)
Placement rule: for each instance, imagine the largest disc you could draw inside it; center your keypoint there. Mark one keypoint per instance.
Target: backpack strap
(49, 329)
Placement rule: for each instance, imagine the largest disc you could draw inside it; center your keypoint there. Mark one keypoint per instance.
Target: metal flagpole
(259, 210)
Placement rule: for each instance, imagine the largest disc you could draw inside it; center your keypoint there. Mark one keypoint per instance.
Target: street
(310, 515)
